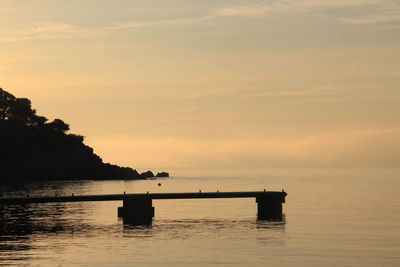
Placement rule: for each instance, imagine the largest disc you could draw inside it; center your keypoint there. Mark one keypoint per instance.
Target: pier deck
(116, 197)
(137, 208)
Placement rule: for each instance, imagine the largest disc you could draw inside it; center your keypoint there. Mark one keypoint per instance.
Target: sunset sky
(213, 83)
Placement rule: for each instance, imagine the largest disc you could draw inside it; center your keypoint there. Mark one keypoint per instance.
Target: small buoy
(159, 184)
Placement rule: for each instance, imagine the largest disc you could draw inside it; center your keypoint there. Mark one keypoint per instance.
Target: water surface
(332, 217)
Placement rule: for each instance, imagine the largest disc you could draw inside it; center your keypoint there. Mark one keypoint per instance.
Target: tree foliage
(31, 148)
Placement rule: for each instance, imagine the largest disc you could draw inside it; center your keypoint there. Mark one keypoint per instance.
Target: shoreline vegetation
(34, 149)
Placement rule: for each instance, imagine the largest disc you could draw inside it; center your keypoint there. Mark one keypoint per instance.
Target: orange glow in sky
(305, 82)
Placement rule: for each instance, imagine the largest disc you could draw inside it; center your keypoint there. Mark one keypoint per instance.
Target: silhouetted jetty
(137, 209)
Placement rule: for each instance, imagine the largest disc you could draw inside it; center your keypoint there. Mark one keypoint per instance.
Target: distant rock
(162, 174)
(148, 174)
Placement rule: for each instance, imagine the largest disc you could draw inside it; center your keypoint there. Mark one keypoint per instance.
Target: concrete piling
(269, 207)
(137, 211)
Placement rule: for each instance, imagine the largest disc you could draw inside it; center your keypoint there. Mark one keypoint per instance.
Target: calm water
(332, 218)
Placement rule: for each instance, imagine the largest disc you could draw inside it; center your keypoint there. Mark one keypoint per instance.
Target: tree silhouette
(58, 126)
(34, 149)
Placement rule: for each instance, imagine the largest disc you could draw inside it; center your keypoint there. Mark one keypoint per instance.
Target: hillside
(32, 148)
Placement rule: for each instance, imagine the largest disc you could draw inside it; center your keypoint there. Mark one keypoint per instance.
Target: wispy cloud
(358, 12)
(366, 12)
(347, 147)
(290, 6)
(169, 22)
(207, 93)
(382, 15)
(44, 30)
(294, 93)
(373, 147)
(54, 30)
(49, 27)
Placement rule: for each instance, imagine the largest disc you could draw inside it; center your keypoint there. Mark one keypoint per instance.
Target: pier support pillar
(136, 211)
(269, 208)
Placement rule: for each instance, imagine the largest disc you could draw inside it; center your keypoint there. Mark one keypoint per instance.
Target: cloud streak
(309, 92)
(291, 6)
(54, 30)
(365, 147)
(170, 22)
(45, 30)
(374, 11)
(382, 16)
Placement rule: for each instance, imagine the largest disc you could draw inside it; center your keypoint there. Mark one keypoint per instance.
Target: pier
(138, 209)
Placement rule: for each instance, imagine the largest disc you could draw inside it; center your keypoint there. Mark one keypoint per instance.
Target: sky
(185, 83)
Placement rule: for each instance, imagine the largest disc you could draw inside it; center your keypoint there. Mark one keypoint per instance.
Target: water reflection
(274, 224)
(228, 229)
(15, 229)
(21, 226)
(45, 188)
(29, 227)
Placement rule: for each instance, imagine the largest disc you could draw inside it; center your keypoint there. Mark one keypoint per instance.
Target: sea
(332, 217)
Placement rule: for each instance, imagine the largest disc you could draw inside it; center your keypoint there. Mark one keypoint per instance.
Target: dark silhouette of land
(32, 148)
